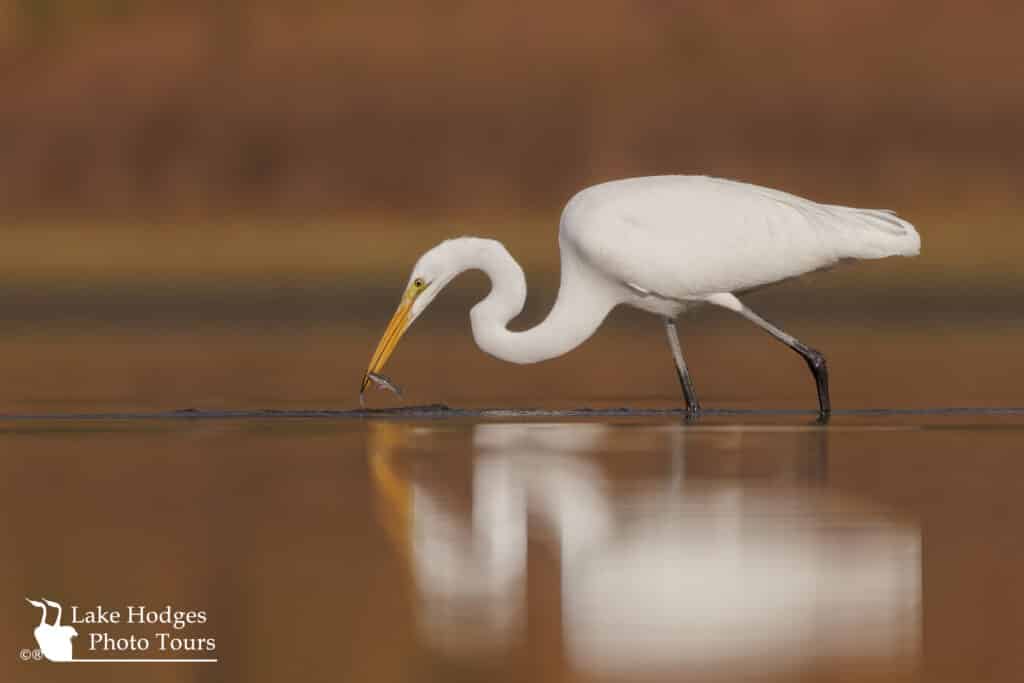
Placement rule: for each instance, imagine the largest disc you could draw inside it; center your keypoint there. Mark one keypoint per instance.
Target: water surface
(873, 549)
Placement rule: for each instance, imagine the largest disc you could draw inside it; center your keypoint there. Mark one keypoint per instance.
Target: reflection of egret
(469, 574)
(725, 576)
(722, 574)
(660, 244)
(470, 571)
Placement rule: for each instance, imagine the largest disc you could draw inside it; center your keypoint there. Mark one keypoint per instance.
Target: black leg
(689, 393)
(814, 359)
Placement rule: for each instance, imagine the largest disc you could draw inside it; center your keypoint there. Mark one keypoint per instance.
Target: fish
(382, 383)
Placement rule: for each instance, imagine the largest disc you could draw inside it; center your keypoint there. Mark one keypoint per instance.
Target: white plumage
(658, 243)
(690, 236)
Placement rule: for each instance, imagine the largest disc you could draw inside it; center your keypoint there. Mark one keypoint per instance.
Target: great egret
(661, 244)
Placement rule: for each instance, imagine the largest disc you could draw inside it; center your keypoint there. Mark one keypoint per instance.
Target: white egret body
(661, 244)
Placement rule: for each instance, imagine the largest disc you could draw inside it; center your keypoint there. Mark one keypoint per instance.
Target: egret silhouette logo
(56, 640)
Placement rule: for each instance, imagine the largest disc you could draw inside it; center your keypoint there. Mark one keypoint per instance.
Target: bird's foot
(692, 413)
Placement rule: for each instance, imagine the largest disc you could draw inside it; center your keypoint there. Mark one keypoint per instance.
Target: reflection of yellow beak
(396, 328)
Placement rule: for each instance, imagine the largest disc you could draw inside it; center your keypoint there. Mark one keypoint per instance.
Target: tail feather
(877, 233)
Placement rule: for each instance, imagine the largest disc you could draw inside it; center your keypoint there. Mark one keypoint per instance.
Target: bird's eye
(418, 283)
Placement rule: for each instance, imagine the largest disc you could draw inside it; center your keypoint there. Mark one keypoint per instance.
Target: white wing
(688, 236)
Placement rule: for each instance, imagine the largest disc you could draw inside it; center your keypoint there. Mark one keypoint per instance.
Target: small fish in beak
(382, 383)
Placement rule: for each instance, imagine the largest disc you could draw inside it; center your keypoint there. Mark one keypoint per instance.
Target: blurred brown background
(129, 107)
(279, 166)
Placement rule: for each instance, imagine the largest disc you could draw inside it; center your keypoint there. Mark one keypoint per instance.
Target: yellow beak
(395, 329)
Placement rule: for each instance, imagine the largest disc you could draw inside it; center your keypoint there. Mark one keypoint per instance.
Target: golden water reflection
(676, 550)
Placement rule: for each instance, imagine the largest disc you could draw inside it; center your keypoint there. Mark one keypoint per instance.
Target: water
(741, 548)
(218, 467)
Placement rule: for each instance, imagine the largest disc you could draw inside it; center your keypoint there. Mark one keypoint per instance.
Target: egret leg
(689, 393)
(814, 359)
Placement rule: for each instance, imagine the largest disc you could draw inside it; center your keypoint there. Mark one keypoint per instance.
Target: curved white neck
(582, 304)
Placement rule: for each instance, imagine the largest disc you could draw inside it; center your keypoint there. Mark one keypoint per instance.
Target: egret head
(434, 270)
